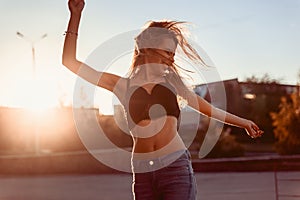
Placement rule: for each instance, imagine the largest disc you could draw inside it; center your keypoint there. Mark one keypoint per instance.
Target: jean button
(151, 162)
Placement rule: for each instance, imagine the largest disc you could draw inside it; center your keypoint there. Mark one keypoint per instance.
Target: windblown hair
(170, 29)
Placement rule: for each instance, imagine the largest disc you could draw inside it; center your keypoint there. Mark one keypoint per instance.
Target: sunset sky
(243, 38)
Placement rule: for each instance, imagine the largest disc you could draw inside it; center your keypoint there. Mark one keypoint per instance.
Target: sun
(34, 95)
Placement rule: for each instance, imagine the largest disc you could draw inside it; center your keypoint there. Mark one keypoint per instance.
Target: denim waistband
(149, 165)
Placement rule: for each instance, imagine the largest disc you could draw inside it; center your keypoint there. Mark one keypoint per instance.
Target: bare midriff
(165, 140)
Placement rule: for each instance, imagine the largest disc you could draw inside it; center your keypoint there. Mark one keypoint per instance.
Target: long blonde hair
(173, 30)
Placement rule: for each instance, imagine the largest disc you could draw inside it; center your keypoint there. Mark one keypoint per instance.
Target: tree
(287, 124)
(266, 78)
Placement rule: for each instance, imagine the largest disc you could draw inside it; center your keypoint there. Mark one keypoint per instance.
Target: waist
(152, 164)
(161, 144)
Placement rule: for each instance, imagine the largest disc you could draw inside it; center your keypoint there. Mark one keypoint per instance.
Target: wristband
(70, 33)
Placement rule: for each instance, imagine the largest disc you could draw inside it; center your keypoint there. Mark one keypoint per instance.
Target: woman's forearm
(251, 128)
(209, 110)
(228, 118)
(70, 44)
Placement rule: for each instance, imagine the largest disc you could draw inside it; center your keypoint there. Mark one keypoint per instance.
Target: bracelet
(70, 33)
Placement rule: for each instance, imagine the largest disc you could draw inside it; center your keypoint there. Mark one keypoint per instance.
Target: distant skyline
(243, 38)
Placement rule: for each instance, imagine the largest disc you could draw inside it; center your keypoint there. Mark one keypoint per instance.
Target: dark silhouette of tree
(287, 123)
(266, 78)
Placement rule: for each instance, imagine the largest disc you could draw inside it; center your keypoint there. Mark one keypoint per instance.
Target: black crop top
(162, 101)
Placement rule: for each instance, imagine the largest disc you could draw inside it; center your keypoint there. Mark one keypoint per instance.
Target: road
(211, 186)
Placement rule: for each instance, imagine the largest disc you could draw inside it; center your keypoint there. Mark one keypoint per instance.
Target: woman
(161, 164)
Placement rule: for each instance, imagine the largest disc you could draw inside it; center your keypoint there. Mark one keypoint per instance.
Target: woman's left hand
(252, 129)
(76, 6)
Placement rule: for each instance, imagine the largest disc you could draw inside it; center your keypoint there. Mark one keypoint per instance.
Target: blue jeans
(175, 181)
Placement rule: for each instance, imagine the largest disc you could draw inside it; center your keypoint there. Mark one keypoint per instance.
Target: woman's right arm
(200, 105)
(69, 59)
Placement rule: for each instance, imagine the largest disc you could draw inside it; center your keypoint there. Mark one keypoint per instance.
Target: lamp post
(32, 44)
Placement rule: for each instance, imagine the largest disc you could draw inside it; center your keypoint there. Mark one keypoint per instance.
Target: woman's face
(167, 44)
(167, 48)
(163, 53)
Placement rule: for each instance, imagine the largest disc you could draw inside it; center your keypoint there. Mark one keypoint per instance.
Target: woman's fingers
(253, 130)
(79, 2)
(256, 133)
(76, 6)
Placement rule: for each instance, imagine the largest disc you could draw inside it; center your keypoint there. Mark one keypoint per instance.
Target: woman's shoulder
(121, 88)
(121, 84)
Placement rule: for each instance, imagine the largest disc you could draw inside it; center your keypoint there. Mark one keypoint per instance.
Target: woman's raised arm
(69, 59)
(70, 45)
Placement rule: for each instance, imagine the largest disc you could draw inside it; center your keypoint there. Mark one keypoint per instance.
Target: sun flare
(34, 95)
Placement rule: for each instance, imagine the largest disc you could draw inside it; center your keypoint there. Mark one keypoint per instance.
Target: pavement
(283, 185)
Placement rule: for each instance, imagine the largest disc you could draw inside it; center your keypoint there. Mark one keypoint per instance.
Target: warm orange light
(34, 95)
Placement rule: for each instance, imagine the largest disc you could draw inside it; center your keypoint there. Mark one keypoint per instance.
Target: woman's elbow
(66, 61)
(71, 64)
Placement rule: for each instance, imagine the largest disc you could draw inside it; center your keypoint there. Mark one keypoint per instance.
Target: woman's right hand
(252, 129)
(76, 6)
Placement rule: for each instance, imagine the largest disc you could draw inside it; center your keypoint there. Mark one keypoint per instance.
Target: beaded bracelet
(71, 33)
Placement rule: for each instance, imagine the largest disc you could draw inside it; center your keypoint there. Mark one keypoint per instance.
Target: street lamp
(249, 96)
(32, 43)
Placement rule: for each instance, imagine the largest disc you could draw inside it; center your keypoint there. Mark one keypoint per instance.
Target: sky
(242, 38)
